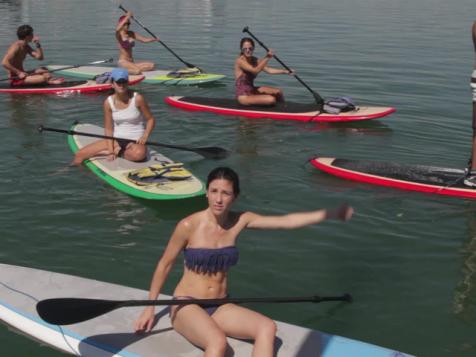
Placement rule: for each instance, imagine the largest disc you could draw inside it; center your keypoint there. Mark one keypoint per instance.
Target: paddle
(189, 65)
(212, 152)
(66, 311)
(317, 97)
(67, 67)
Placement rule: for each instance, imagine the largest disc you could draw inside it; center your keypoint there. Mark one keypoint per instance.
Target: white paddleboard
(112, 334)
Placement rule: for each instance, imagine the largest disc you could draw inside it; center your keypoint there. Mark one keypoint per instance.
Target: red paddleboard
(65, 87)
(281, 111)
(429, 179)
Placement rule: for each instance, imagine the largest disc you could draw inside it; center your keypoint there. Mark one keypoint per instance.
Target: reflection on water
(464, 302)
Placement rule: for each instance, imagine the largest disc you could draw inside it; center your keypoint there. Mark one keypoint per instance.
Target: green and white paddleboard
(112, 334)
(153, 77)
(116, 172)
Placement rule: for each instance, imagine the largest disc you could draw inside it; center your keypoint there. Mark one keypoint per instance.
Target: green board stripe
(126, 188)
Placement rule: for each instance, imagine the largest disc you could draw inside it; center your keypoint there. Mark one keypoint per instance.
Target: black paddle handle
(160, 41)
(316, 95)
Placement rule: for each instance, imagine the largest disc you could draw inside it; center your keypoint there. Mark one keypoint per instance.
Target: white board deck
(112, 334)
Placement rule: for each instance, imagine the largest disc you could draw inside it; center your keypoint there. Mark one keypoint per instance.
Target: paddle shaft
(209, 152)
(160, 41)
(316, 95)
(65, 311)
(204, 302)
(65, 68)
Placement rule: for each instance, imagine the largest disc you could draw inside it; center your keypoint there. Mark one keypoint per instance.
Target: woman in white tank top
(126, 115)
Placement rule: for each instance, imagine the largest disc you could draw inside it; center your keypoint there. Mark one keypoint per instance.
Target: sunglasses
(121, 81)
(244, 49)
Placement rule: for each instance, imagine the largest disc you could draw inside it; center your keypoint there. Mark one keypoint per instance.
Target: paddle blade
(66, 311)
(213, 152)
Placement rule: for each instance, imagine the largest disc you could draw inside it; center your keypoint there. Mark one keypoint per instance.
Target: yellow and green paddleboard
(182, 77)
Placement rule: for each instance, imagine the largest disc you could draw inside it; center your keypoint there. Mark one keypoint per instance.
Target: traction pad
(184, 72)
(159, 173)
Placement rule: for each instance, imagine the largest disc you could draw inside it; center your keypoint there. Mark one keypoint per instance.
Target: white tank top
(129, 123)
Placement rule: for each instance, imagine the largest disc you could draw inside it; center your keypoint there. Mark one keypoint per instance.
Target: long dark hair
(227, 174)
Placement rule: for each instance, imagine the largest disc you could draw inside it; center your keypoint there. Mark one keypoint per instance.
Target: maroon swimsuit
(244, 84)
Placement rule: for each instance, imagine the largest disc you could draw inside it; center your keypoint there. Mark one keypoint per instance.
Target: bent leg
(257, 99)
(275, 92)
(145, 66)
(131, 67)
(35, 79)
(135, 152)
(89, 151)
(240, 322)
(192, 322)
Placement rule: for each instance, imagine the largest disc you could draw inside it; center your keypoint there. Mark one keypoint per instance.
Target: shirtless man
(16, 54)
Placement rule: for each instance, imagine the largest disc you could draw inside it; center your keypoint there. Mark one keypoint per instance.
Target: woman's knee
(135, 152)
(148, 66)
(267, 327)
(216, 343)
(270, 100)
(134, 71)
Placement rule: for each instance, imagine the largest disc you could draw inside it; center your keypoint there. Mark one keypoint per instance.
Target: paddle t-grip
(245, 29)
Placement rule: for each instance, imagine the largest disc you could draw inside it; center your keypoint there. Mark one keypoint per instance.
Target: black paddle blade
(66, 311)
(213, 152)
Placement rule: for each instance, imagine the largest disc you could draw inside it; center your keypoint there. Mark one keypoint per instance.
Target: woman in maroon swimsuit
(208, 241)
(247, 68)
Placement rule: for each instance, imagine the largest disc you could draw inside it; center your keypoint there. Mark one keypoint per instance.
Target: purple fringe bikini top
(210, 260)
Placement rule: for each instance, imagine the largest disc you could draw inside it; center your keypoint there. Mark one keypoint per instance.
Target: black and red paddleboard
(65, 87)
(281, 111)
(429, 179)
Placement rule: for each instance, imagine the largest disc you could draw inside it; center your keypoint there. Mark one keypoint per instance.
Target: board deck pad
(308, 112)
(423, 178)
(115, 172)
(151, 77)
(112, 334)
(286, 107)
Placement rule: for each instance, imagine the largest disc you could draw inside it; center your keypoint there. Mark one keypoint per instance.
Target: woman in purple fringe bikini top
(207, 240)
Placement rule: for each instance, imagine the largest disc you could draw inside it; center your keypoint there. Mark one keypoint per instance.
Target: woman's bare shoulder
(191, 221)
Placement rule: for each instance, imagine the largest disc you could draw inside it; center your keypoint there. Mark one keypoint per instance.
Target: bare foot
(58, 80)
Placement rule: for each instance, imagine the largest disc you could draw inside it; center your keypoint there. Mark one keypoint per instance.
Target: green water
(409, 259)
